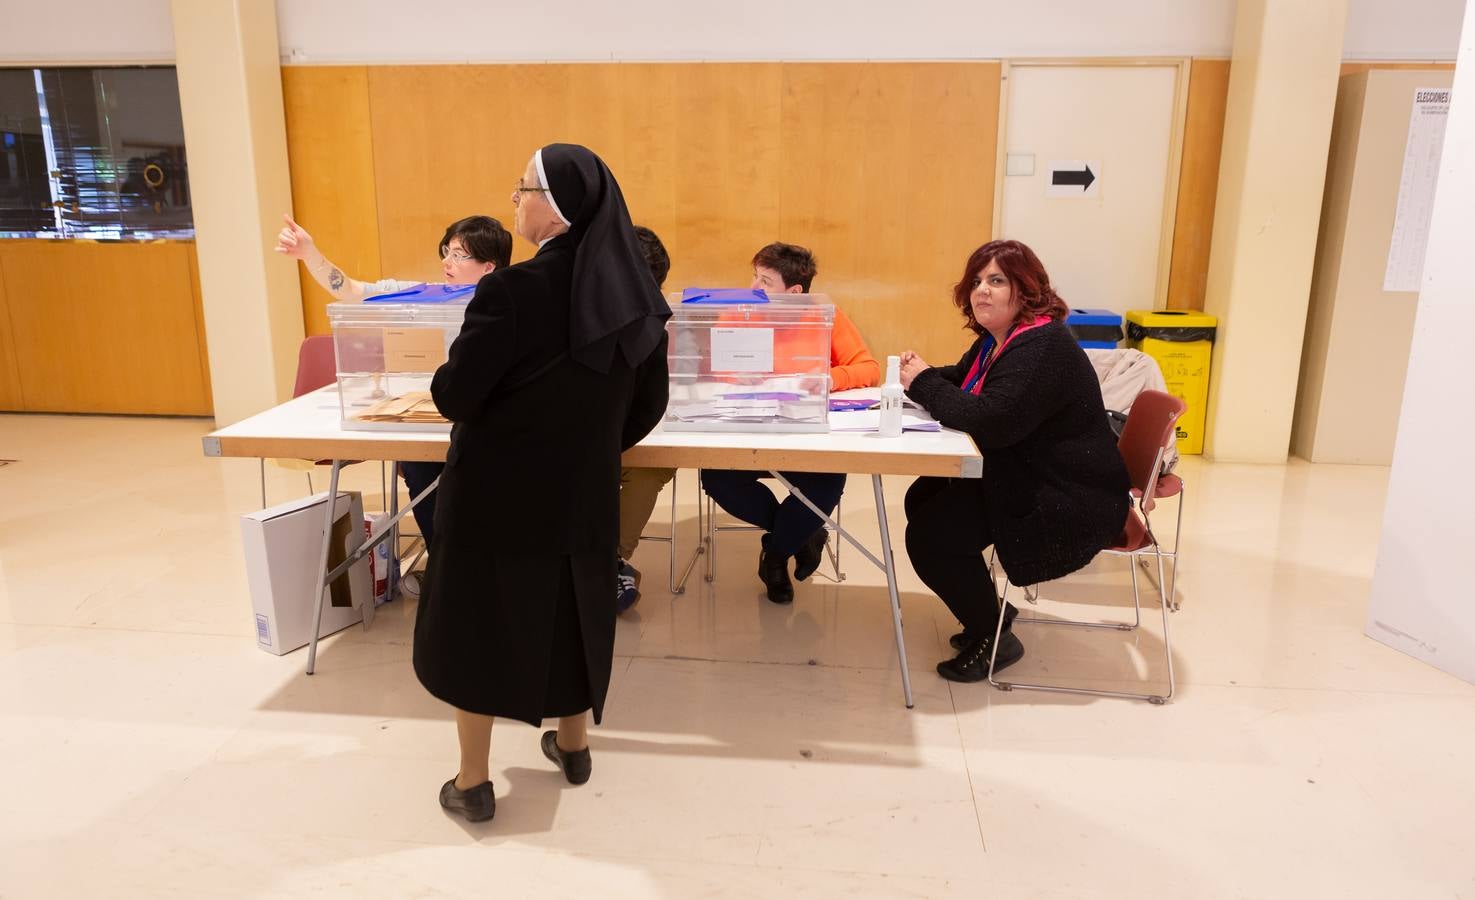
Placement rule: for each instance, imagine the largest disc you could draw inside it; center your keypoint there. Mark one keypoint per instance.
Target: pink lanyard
(973, 384)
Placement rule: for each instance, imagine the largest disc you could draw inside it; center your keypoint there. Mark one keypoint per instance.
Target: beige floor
(148, 749)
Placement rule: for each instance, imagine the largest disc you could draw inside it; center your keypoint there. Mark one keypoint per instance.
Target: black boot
(774, 572)
(971, 664)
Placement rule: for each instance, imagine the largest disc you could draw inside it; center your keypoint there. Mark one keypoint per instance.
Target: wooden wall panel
(1198, 182)
(450, 142)
(10, 392)
(332, 163)
(885, 170)
(730, 154)
(888, 176)
(105, 328)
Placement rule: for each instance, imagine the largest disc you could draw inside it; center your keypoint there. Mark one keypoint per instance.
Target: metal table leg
(322, 577)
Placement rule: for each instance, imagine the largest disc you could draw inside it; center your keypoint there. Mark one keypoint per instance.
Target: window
(93, 153)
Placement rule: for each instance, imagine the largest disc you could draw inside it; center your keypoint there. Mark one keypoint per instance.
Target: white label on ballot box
(742, 350)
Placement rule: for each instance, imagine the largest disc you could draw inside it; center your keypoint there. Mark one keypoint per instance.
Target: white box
(283, 545)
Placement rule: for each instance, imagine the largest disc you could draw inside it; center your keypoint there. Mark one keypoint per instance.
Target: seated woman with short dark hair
(1054, 490)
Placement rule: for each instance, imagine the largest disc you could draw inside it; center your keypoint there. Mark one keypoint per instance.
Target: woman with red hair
(1054, 488)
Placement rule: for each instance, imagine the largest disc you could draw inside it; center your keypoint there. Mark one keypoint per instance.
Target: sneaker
(807, 560)
(971, 663)
(627, 587)
(773, 570)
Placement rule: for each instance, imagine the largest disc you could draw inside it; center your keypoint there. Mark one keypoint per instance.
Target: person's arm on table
(1013, 402)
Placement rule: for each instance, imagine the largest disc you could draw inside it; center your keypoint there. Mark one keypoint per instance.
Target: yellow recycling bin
(1182, 342)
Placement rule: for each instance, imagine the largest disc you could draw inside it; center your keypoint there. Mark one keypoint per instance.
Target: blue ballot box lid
(723, 295)
(1095, 329)
(426, 293)
(1094, 317)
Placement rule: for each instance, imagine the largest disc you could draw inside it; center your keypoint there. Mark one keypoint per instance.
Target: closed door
(1086, 174)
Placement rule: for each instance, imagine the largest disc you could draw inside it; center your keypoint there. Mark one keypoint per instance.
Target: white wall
(375, 31)
(329, 30)
(1423, 597)
(83, 31)
(1403, 29)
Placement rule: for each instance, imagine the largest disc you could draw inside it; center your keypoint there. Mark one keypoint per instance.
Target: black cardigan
(1055, 488)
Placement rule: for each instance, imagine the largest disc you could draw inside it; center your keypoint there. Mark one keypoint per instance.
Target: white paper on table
(742, 349)
(870, 420)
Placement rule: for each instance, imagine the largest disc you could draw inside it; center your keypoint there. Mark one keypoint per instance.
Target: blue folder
(426, 293)
(723, 295)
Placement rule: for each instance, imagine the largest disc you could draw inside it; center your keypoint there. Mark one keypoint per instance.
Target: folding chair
(1148, 432)
(669, 539)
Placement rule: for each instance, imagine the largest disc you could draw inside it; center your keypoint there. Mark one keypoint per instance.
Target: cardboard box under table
(283, 551)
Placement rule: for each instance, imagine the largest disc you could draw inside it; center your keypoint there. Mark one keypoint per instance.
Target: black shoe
(774, 571)
(960, 640)
(807, 560)
(576, 764)
(477, 804)
(971, 664)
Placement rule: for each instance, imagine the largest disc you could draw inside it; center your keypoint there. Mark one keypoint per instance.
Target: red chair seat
(1134, 534)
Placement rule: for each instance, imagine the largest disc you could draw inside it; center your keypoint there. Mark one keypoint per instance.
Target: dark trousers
(418, 476)
(947, 533)
(788, 524)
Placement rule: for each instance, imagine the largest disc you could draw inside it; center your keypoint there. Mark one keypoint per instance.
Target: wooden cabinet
(93, 327)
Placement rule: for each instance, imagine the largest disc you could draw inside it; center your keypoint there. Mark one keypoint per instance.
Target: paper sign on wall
(1416, 189)
(742, 350)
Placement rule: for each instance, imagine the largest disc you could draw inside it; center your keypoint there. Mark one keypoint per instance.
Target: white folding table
(309, 427)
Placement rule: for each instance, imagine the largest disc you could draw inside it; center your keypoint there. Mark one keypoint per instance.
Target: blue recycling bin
(1095, 329)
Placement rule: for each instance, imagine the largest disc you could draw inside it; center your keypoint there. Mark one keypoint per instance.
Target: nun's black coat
(517, 616)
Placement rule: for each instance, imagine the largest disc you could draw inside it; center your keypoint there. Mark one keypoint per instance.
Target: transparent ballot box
(740, 361)
(387, 352)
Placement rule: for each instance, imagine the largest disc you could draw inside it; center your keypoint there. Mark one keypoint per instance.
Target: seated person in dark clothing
(470, 248)
(790, 529)
(1054, 490)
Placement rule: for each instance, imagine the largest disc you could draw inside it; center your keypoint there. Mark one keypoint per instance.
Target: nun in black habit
(560, 366)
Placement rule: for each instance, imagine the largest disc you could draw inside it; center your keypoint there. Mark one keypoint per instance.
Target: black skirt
(516, 636)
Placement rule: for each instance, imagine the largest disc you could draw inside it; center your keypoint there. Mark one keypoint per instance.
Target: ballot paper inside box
(283, 548)
(387, 354)
(759, 365)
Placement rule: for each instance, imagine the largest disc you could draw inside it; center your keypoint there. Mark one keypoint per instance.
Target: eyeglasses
(524, 189)
(454, 255)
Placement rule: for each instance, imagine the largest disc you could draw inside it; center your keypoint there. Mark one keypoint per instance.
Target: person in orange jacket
(790, 529)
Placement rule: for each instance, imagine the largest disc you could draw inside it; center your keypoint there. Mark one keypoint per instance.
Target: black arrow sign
(1084, 178)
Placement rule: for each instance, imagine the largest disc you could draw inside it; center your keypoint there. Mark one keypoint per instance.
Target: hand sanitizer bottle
(891, 399)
